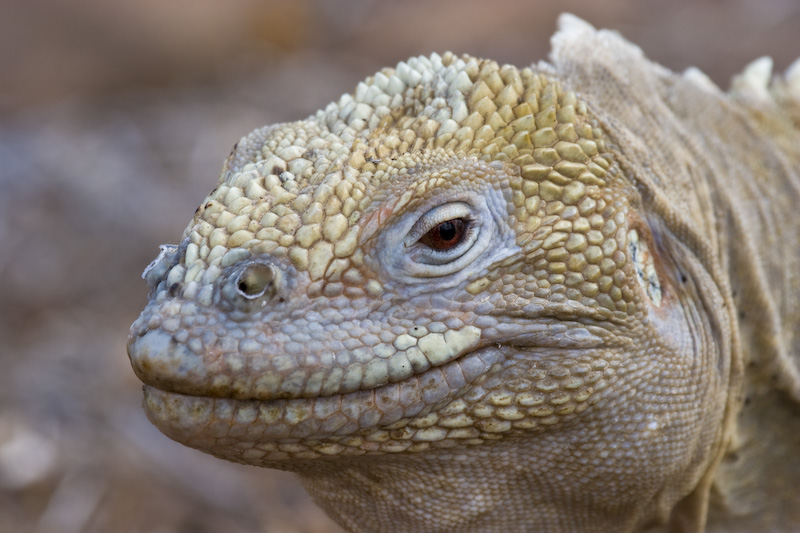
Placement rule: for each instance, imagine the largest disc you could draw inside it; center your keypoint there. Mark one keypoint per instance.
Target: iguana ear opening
(686, 307)
(646, 266)
(664, 282)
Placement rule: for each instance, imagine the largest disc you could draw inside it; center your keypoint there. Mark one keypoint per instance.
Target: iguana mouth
(424, 409)
(200, 412)
(185, 416)
(285, 364)
(237, 369)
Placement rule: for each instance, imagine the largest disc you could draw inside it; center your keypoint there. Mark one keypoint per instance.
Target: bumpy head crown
(302, 191)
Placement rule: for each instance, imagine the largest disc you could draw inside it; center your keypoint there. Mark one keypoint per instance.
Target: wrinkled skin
(477, 298)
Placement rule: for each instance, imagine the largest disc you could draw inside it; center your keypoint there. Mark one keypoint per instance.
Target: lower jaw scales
(224, 427)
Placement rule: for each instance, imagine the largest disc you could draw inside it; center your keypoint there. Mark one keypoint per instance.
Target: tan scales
(472, 297)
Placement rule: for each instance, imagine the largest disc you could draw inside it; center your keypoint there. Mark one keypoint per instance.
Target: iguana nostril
(249, 285)
(257, 280)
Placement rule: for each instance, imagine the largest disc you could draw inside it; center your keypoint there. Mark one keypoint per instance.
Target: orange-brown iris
(446, 235)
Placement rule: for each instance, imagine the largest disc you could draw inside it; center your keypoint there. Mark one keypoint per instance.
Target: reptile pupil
(446, 235)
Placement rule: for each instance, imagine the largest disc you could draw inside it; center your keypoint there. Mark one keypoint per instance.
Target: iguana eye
(448, 240)
(446, 235)
(443, 235)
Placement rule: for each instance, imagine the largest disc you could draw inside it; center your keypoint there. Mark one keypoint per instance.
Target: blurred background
(115, 117)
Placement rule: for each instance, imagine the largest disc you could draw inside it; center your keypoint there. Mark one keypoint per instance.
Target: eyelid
(434, 217)
(407, 259)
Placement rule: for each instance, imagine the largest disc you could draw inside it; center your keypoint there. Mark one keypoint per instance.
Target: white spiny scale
(448, 74)
(192, 253)
(421, 64)
(461, 83)
(395, 86)
(448, 126)
(427, 77)
(441, 85)
(401, 70)
(372, 94)
(291, 152)
(361, 91)
(382, 110)
(362, 111)
(194, 271)
(211, 274)
(346, 106)
(216, 253)
(374, 121)
(397, 100)
(441, 115)
(206, 295)
(176, 275)
(381, 81)
(792, 77)
(190, 289)
(569, 23)
(459, 106)
(411, 76)
(435, 62)
(754, 80)
(233, 256)
(330, 109)
(347, 134)
(381, 100)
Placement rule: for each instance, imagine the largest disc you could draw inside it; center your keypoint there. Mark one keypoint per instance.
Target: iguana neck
(756, 197)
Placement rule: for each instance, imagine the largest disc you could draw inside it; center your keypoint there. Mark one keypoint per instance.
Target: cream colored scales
(472, 297)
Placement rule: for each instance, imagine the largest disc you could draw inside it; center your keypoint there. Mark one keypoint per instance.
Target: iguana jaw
(317, 426)
(426, 406)
(439, 408)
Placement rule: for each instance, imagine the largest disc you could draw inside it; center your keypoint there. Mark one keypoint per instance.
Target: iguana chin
(471, 297)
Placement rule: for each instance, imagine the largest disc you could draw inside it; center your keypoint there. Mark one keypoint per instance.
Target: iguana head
(459, 259)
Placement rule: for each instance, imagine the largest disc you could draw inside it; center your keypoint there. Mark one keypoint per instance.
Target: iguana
(472, 297)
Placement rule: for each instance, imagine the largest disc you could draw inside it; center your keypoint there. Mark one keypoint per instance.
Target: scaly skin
(478, 298)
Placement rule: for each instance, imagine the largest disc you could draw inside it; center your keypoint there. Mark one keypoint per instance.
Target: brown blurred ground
(114, 120)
